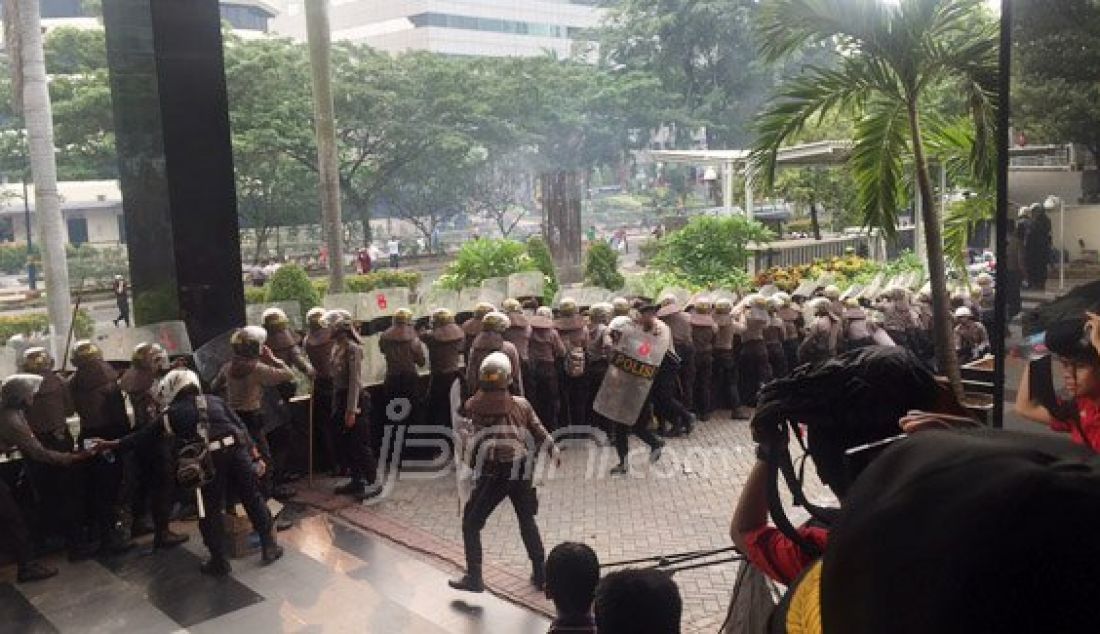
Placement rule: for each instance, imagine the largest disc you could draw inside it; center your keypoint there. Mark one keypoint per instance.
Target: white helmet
(18, 390)
(495, 371)
(984, 279)
(274, 318)
(963, 311)
(173, 383)
(832, 292)
(620, 323)
(1023, 212)
(545, 311)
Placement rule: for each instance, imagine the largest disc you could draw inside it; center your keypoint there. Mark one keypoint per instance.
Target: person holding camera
(216, 454)
(17, 395)
(1076, 343)
(853, 400)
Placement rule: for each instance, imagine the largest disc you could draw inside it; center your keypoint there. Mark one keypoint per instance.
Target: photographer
(1076, 343)
(855, 399)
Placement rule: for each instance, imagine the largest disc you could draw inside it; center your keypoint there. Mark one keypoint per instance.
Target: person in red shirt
(1076, 343)
(861, 397)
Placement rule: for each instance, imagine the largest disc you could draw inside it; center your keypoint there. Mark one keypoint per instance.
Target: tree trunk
(942, 333)
(561, 201)
(320, 59)
(815, 223)
(38, 116)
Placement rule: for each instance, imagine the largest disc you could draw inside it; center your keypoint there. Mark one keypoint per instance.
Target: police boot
(538, 574)
(270, 550)
(469, 582)
(167, 539)
(216, 566)
(34, 571)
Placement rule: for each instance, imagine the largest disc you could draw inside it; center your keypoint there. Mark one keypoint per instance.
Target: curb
(499, 580)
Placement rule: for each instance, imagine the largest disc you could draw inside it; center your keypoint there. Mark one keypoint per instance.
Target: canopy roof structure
(823, 153)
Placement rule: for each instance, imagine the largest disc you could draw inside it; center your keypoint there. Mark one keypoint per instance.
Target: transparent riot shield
(634, 363)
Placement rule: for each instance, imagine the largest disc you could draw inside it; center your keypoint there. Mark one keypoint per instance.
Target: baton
(312, 400)
(198, 503)
(72, 324)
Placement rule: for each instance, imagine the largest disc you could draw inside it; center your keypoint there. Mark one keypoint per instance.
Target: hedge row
(37, 323)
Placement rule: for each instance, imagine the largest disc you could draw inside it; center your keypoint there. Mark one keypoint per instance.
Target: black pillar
(176, 162)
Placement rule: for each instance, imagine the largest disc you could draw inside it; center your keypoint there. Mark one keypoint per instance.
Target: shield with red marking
(633, 365)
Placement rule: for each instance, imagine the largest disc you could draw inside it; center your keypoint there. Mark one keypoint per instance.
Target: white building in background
(247, 17)
(92, 211)
(479, 28)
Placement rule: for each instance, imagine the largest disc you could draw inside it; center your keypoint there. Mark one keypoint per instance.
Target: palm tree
(320, 58)
(894, 65)
(25, 49)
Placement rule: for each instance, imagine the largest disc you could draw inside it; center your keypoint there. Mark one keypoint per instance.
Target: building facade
(91, 210)
(478, 28)
(245, 16)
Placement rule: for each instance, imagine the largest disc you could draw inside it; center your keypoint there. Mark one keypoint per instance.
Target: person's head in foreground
(572, 573)
(636, 601)
(961, 531)
(1069, 341)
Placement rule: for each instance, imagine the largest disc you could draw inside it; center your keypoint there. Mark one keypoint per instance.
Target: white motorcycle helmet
(175, 382)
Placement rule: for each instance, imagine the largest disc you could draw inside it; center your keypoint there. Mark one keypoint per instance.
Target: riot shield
(853, 291)
(526, 284)
(437, 298)
(118, 344)
(212, 355)
(492, 296)
(633, 366)
(768, 290)
(293, 309)
(343, 301)
(496, 285)
(377, 306)
(872, 290)
(463, 433)
(374, 364)
(805, 289)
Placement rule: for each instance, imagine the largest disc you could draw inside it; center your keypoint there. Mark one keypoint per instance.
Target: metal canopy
(805, 154)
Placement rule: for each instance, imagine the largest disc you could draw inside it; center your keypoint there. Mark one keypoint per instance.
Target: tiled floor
(333, 578)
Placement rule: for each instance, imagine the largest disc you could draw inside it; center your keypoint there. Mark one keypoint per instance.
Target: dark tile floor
(333, 578)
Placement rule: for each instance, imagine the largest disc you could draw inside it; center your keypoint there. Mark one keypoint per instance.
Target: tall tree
(892, 58)
(816, 189)
(501, 191)
(320, 56)
(1056, 83)
(39, 121)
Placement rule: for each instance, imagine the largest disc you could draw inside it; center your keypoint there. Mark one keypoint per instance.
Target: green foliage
(601, 267)
(95, 267)
(73, 51)
(539, 252)
(710, 251)
(290, 283)
(156, 305)
(382, 279)
(481, 259)
(1056, 83)
(255, 294)
(31, 324)
(13, 258)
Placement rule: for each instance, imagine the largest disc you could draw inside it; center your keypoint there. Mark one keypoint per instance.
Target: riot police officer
(151, 485)
(17, 394)
(679, 324)
(703, 334)
(253, 368)
(444, 342)
(547, 353)
(510, 438)
(350, 406)
(518, 334)
(490, 340)
(98, 401)
(472, 326)
(725, 363)
(207, 425)
(404, 353)
(318, 347)
(574, 334)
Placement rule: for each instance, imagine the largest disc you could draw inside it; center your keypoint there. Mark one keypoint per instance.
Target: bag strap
(204, 419)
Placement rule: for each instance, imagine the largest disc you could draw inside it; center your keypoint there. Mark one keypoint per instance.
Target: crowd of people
(852, 376)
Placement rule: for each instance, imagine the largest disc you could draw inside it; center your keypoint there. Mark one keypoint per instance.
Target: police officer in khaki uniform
(318, 347)
(350, 406)
(547, 354)
(98, 401)
(574, 387)
(491, 339)
(54, 482)
(152, 482)
(679, 323)
(444, 343)
(518, 334)
(725, 363)
(704, 331)
(404, 353)
(472, 326)
(597, 360)
(504, 468)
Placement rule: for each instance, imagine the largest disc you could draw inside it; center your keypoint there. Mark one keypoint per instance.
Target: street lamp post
(1049, 204)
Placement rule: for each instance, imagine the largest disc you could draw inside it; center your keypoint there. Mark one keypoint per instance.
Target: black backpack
(194, 465)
